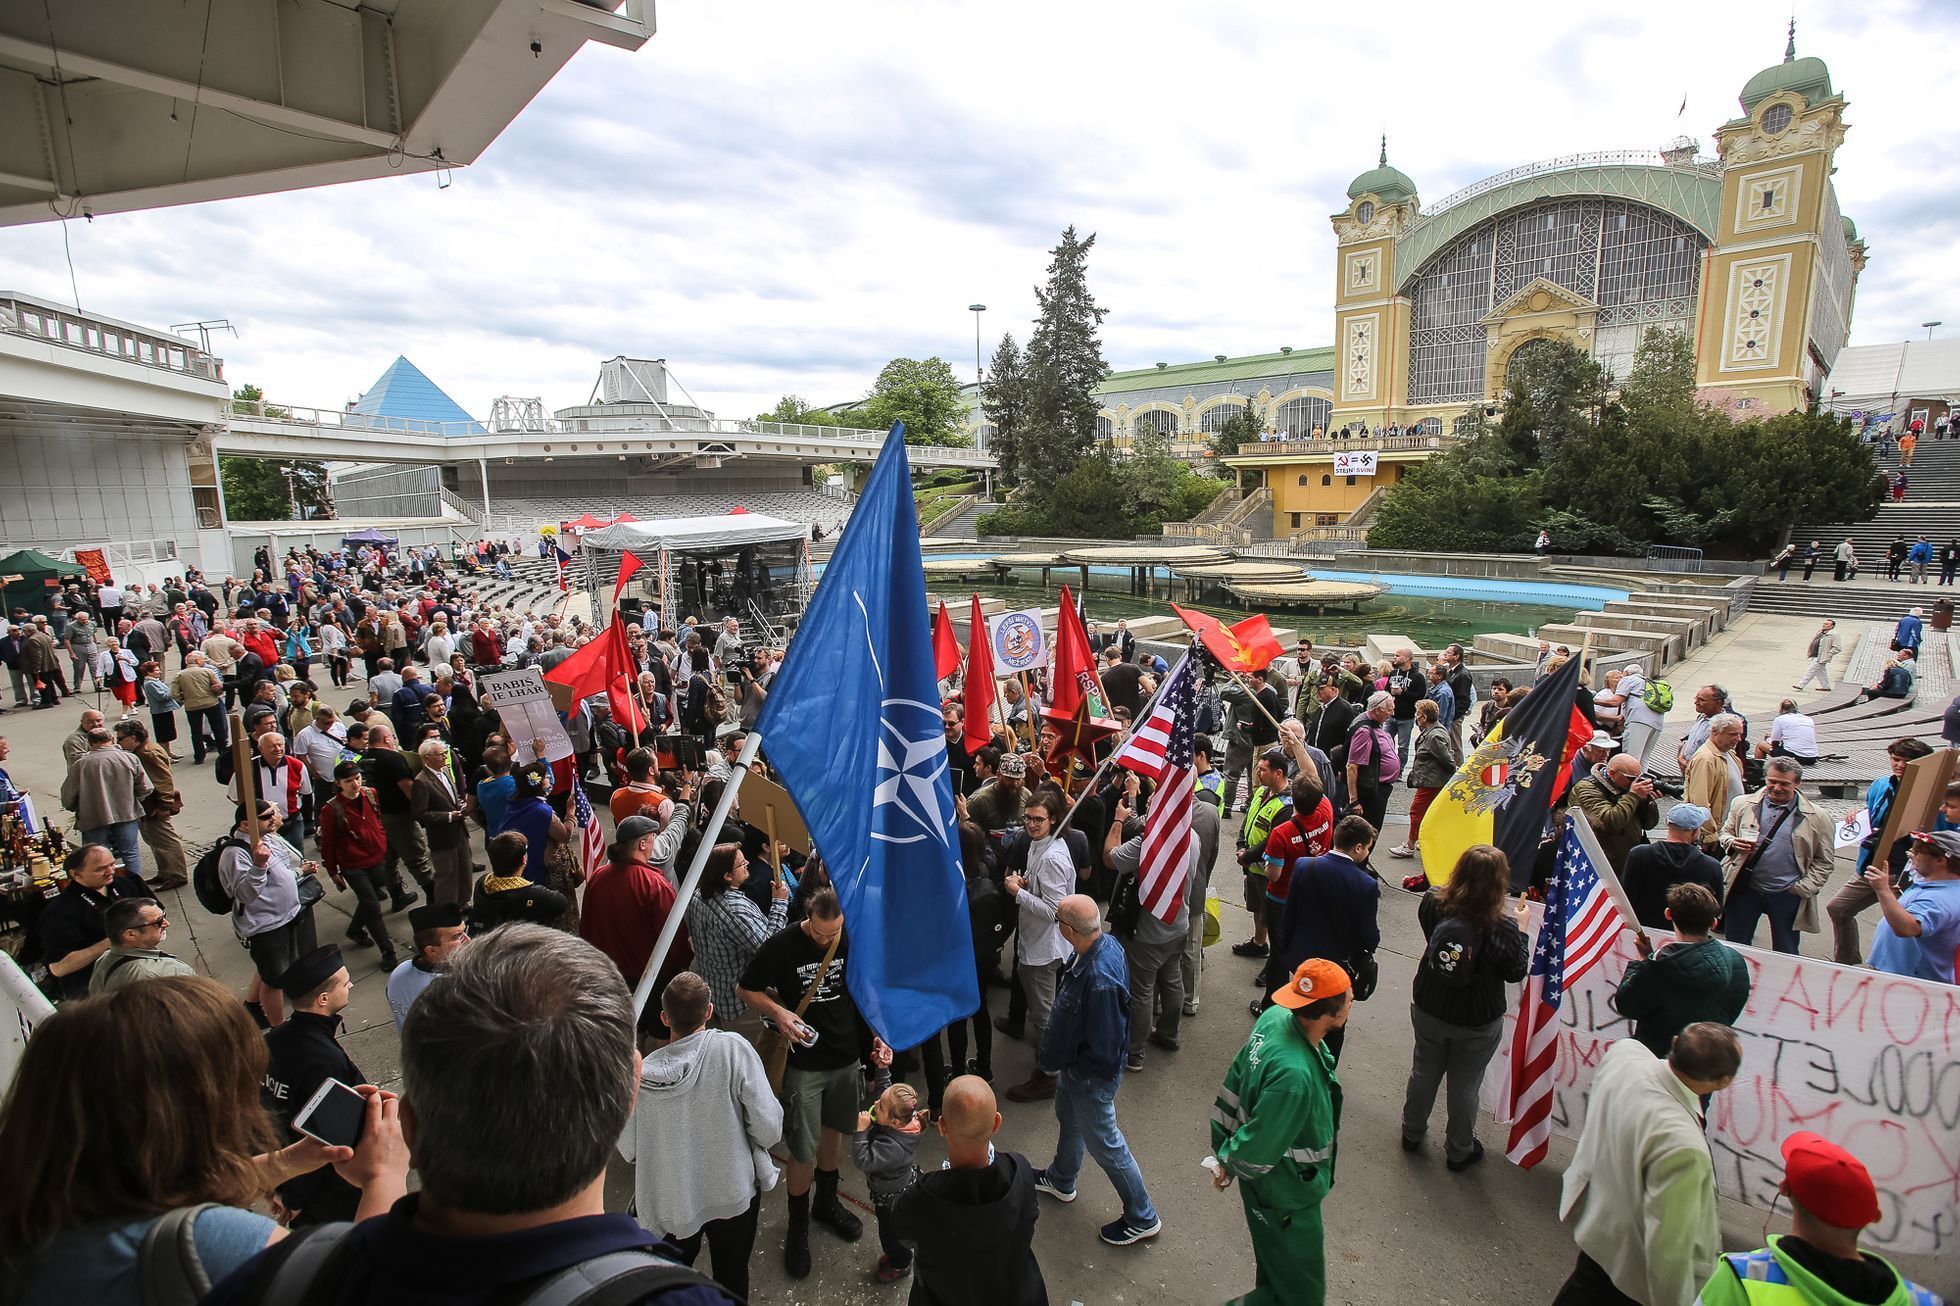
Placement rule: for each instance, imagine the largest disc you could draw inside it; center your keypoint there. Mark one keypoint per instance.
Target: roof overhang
(122, 105)
(730, 531)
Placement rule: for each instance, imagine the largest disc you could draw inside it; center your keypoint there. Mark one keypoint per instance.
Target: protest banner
(94, 563)
(1019, 642)
(768, 807)
(530, 718)
(1869, 1060)
(1355, 463)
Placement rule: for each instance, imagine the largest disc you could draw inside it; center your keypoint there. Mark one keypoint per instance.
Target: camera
(1672, 788)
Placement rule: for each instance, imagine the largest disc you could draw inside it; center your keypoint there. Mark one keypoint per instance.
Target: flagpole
(1110, 761)
(737, 772)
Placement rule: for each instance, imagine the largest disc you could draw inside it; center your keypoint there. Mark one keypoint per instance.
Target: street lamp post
(976, 310)
(1929, 327)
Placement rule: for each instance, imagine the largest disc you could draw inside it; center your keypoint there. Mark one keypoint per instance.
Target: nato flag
(852, 725)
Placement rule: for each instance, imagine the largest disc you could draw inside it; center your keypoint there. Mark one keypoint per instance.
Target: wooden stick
(241, 771)
(769, 828)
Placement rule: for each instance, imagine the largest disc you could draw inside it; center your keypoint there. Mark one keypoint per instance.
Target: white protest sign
(1355, 463)
(1019, 642)
(1871, 1061)
(524, 706)
(1854, 828)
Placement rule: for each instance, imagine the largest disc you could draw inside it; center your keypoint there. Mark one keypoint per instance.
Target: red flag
(604, 666)
(1578, 733)
(628, 564)
(1074, 669)
(1246, 647)
(979, 682)
(945, 648)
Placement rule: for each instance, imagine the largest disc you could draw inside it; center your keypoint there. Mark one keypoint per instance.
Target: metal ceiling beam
(278, 115)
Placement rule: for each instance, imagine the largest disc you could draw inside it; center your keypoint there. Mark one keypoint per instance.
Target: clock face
(1364, 211)
(1776, 118)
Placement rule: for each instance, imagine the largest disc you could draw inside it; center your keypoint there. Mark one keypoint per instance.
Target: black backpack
(1451, 955)
(169, 1272)
(206, 882)
(306, 1269)
(992, 915)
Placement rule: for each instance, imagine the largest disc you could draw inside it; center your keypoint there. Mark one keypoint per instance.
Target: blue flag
(853, 726)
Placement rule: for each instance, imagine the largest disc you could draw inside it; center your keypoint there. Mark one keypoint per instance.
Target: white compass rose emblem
(905, 807)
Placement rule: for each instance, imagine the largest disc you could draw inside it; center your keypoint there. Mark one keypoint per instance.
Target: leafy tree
(1064, 365)
(1242, 427)
(255, 489)
(923, 395)
(795, 409)
(1105, 496)
(1004, 398)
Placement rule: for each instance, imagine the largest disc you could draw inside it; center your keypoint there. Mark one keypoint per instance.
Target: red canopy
(624, 517)
(587, 523)
(737, 510)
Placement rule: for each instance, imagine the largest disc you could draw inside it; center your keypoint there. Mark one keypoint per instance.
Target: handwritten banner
(1871, 1061)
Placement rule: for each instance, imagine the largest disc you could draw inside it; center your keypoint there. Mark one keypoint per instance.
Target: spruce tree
(1004, 399)
(1064, 365)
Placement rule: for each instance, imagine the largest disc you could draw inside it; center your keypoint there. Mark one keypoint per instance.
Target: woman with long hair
(1475, 947)
(726, 927)
(90, 1172)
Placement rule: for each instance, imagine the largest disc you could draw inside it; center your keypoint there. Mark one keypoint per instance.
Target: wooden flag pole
(241, 772)
(775, 855)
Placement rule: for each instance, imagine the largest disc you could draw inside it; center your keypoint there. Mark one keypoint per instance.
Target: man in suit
(436, 803)
(1329, 733)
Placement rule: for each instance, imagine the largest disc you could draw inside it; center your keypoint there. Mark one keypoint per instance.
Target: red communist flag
(945, 648)
(628, 564)
(605, 666)
(1248, 646)
(978, 686)
(1074, 667)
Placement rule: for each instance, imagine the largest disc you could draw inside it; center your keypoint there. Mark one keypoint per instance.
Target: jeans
(1085, 1107)
(1747, 904)
(730, 1242)
(1402, 729)
(121, 839)
(1154, 967)
(208, 731)
(1039, 984)
(1461, 1052)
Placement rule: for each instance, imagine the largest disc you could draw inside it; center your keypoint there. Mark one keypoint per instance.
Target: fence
(1688, 559)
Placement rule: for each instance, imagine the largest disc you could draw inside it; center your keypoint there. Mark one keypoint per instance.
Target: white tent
(703, 534)
(1885, 378)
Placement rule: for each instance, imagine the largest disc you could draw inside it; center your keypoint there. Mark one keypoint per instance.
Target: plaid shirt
(726, 930)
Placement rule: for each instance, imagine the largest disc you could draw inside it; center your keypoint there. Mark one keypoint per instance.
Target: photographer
(1619, 804)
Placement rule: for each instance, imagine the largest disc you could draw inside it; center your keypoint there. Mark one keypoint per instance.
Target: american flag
(591, 841)
(1161, 748)
(1582, 919)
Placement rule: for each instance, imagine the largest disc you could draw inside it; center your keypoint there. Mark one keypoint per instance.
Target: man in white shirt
(321, 745)
(1642, 723)
(1792, 734)
(1639, 1195)
(1039, 948)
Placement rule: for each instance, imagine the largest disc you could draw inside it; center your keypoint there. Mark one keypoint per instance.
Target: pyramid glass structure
(405, 399)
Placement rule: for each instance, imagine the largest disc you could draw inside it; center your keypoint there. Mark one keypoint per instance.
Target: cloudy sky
(778, 197)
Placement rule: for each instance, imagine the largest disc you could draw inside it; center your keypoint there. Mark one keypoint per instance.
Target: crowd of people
(525, 1066)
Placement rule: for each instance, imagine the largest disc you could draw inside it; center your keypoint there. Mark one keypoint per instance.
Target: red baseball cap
(1832, 1184)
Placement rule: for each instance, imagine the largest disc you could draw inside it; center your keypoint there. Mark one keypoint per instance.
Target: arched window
(1350, 480)
(1105, 429)
(1428, 426)
(1154, 422)
(1327, 480)
(1303, 480)
(1299, 418)
(1214, 418)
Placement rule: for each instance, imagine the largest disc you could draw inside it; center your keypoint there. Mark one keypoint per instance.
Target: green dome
(1386, 184)
(1850, 231)
(1808, 77)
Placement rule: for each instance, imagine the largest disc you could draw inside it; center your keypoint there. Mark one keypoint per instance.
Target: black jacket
(1331, 726)
(975, 1231)
(1500, 957)
(1654, 868)
(302, 1054)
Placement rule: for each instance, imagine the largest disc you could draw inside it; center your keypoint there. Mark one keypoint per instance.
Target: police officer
(302, 1054)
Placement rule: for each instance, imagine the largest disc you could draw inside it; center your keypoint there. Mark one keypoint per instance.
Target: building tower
(1777, 290)
(1371, 321)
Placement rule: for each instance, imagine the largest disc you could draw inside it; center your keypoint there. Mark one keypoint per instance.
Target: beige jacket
(1639, 1195)
(197, 688)
(106, 786)
(1814, 841)
(1706, 784)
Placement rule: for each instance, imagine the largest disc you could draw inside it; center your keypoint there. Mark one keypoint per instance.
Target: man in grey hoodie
(704, 1099)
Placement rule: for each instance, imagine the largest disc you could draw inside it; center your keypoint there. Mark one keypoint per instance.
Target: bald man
(973, 1221)
(1085, 1047)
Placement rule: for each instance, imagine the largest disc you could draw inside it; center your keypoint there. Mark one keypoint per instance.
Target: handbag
(775, 1052)
(310, 890)
(1366, 972)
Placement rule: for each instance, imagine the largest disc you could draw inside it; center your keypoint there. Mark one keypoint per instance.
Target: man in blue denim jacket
(1087, 1039)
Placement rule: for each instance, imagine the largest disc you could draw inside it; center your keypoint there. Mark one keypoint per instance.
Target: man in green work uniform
(1272, 799)
(1273, 1126)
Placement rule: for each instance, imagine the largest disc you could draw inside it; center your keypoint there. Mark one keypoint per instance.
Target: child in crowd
(887, 1138)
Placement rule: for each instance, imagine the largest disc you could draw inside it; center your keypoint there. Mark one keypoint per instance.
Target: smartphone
(334, 1115)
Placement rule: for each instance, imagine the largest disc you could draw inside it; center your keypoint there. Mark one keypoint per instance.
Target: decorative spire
(1790, 50)
(1384, 158)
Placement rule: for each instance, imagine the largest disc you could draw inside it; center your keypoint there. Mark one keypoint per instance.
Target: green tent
(38, 578)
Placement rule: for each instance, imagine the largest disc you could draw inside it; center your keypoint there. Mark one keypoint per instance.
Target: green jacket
(1770, 1278)
(1276, 1118)
(1679, 985)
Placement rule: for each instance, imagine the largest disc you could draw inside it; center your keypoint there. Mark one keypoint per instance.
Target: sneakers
(1038, 1088)
(889, 1273)
(1159, 1041)
(1190, 1008)
(1476, 1155)
(1250, 948)
(1123, 1232)
(1133, 1062)
(1402, 850)
(1043, 1184)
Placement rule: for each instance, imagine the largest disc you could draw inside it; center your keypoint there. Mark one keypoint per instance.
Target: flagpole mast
(737, 772)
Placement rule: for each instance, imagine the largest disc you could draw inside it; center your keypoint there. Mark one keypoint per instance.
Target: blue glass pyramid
(404, 399)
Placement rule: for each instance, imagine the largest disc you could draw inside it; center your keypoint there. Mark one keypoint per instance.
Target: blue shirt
(97, 1263)
(1929, 955)
(1445, 700)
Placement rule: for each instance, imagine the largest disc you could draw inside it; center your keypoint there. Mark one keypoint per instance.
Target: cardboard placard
(764, 801)
(1921, 791)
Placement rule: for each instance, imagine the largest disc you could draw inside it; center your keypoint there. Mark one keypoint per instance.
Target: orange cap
(1315, 979)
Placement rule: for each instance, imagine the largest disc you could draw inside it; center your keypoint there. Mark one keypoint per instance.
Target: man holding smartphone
(301, 1055)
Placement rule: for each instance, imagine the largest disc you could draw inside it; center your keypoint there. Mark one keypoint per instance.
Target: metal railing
(22, 315)
(1562, 163)
(1690, 559)
(470, 511)
(1328, 445)
(948, 512)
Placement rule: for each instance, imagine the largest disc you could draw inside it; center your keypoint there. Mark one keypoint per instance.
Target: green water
(1430, 622)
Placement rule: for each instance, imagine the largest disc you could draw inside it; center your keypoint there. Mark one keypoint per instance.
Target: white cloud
(779, 197)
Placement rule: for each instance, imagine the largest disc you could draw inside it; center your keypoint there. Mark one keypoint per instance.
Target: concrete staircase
(1931, 508)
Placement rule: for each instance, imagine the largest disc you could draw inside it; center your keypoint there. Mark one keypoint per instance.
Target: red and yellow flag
(1249, 646)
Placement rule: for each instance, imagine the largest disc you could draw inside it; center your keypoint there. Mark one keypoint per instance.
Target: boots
(796, 1239)
(829, 1210)
(388, 958)
(1038, 1088)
